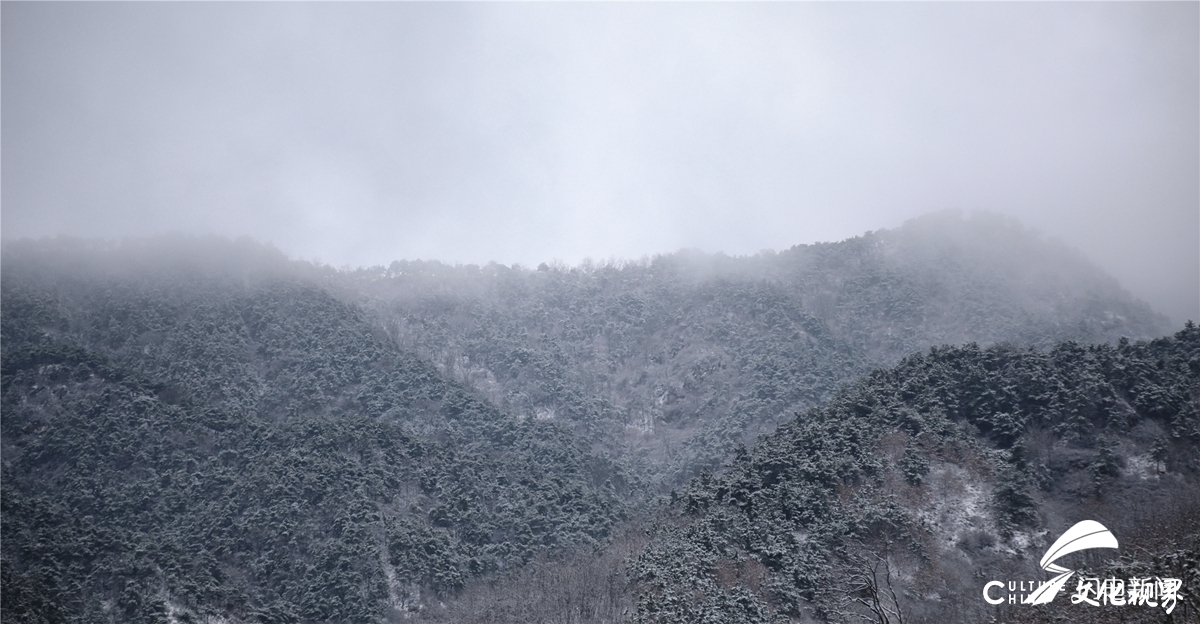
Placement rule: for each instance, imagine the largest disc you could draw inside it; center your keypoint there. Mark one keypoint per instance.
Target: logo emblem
(1083, 536)
(1094, 591)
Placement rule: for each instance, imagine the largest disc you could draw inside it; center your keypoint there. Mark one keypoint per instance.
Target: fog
(362, 133)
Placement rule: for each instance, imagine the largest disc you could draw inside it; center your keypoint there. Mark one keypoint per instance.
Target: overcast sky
(363, 133)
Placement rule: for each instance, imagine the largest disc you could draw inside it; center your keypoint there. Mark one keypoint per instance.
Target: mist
(358, 134)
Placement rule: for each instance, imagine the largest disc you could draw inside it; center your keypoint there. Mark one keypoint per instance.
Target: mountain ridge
(415, 429)
(813, 315)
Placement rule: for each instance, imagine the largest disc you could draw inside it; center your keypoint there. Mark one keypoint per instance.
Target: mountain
(189, 439)
(197, 429)
(675, 360)
(910, 489)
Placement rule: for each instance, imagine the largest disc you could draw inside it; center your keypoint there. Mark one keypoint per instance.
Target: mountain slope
(676, 360)
(933, 474)
(247, 446)
(198, 428)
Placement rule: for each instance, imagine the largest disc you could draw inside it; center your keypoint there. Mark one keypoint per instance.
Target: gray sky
(363, 133)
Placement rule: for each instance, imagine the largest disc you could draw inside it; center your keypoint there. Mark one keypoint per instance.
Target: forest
(202, 430)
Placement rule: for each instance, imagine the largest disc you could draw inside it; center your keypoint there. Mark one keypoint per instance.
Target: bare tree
(869, 595)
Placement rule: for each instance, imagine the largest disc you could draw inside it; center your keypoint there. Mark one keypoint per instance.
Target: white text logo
(1085, 535)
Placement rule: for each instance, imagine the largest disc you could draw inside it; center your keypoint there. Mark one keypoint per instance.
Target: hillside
(235, 442)
(198, 428)
(893, 500)
(675, 360)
